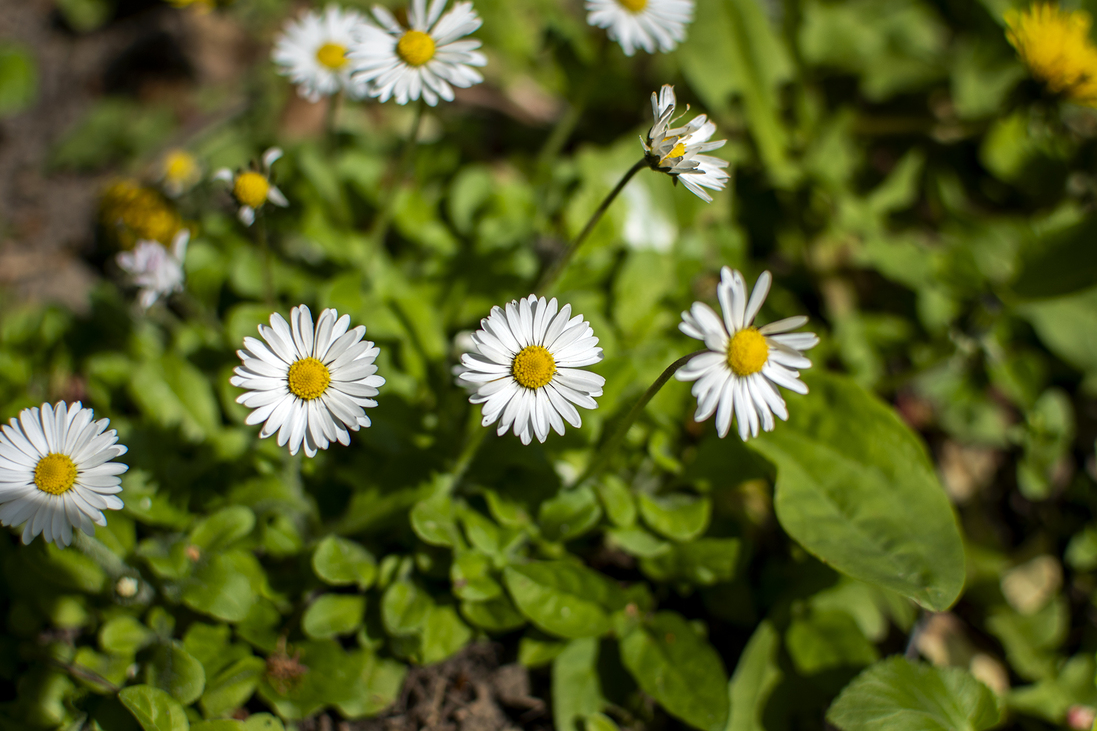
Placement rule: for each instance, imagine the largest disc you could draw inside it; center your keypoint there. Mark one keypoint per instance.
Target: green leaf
(494, 615)
(471, 577)
(756, 675)
(404, 608)
(232, 687)
(124, 635)
(679, 517)
(333, 614)
(569, 515)
(576, 687)
(338, 561)
(375, 689)
(617, 500)
(220, 589)
(154, 709)
(172, 669)
(435, 521)
(223, 528)
(637, 542)
(1065, 324)
(18, 78)
(855, 488)
(444, 634)
(679, 669)
(703, 562)
(903, 696)
(221, 724)
(826, 640)
(563, 599)
(172, 392)
(263, 722)
(1060, 262)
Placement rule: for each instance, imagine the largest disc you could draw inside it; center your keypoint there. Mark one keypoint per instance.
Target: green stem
(330, 135)
(561, 263)
(474, 438)
(610, 446)
(384, 218)
(264, 248)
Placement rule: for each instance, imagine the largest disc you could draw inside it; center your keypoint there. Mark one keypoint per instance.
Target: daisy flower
(312, 51)
(252, 189)
(425, 60)
(311, 384)
(676, 151)
(1055, 46)
(526, 368)
(56, 473)
(745, 364)
(157, 271)
(179, 172)
(642, 23)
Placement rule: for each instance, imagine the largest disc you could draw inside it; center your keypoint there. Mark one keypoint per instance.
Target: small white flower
(56, 473)
(676, 151)
(525, 369)
(157, 271)
(642, 23)
(179, 172)
(312, 51)
(745, 364)
(425, 60)
(252, 188)
(309, 384)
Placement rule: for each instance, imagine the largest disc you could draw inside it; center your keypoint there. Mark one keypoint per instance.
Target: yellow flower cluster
(1056, 47)
(131, 212)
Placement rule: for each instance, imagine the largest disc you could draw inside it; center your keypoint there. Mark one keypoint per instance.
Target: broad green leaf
(333, 614)
(404, 608)
(124, 635)
(154, 709)
(172, 669)
(679, 669)
(576, 687)
(1064, 324)
(263, 722)
(220, 589)
(221, 724)
(569, 515)
(112, 668)
(493, 615)
(174, 392)
(679, 517)
(617, 500)
(376, 687)
(471, 576)
(755, 677)
(637, 542)
(435, 521)
(1059, 263)
(535, 649)
(855, 488)
(826, 640)
(443, 635)
(232, 686)
(703, 562)
(563, 599)
(338, 561)
(903, 696)
(222, 529)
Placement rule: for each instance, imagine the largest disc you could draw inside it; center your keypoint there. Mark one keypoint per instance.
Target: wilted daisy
(56, 473)
(179, 172)
(745, 364)
(642, 23)
(525, 368)
(157, 271)
(311, 384)
(677, 150)
(312, 51)
(1055, 46)
(252, 188)
(425, 60)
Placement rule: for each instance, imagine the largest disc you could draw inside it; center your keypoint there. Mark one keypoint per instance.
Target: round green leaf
(826, 640)
(563, 599)
(333, 614)
(221, 589)
(855, 488)
(494, 615)
(570, 514)
(172, 669)
(232, 686)
(339, 562)
(223, 528)
(679, 517)
(404, 608)
(124, 635)
(154, 709)
(899, 695)
(435, 521)
(471, 577)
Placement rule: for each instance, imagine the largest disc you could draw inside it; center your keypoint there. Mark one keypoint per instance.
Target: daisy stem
(329, 120)
(385, 213)
(610, 446)
(561, 263)
(264, 247)
(473, 440)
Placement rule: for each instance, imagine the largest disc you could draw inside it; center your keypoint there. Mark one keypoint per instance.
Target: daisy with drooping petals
(312, 51)
(745, 364)
(157, 271)
(311, 384)
(427, 59)
(526, 368)
(252, 188)
(1055, 46)
(677, 151)
(56, 473)
(642, 24)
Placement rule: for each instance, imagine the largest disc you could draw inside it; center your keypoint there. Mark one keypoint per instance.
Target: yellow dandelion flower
(1055, 45)
(131, 212)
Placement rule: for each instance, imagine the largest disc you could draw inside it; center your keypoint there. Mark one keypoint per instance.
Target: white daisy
(424, 60)
(677, 150)
(642, 23)
(56, 473)
(312, 51)
(157, 271)
(252, 188)
(745, 363)
(525, 368)
(311, 384)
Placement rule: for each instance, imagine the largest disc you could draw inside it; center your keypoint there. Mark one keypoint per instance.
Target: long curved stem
(561, 263)
(610, 446)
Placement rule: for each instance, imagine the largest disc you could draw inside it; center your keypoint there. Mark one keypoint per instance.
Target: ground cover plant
(636, 364)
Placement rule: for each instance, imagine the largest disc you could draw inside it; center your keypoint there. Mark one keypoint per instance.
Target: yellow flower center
(533, 367)
(55, 473)
(415, 47)
(251, 189)
(308, 379)
(1055, 46)
(747, 352)
(179, 166)
(633, 6)
(332, 55)
(677, 151)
